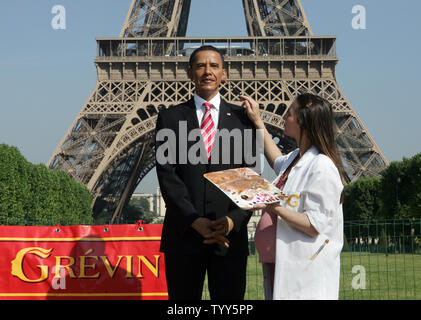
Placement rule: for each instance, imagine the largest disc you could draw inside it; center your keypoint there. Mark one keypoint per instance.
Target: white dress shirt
(200, 109)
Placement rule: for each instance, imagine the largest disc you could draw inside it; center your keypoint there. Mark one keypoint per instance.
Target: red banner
(82, 262)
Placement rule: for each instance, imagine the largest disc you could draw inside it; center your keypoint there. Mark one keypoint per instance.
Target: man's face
(207, 73)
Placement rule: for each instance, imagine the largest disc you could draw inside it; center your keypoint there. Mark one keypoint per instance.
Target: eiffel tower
(110, 145)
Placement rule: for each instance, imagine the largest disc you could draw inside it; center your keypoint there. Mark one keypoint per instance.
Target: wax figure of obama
(204, 231)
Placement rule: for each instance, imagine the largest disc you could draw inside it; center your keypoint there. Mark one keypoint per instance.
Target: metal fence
(380, 260)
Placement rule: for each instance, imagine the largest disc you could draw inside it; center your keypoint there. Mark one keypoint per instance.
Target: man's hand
(224, 225)
(202, 226)
(221, 228)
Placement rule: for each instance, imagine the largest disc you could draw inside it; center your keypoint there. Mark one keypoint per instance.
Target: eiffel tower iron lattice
(110, 145)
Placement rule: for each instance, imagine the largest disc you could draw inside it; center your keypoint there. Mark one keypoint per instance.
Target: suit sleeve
(238, 216)
(173, 189)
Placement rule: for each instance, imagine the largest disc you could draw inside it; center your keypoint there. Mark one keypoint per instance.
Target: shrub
(35, 195)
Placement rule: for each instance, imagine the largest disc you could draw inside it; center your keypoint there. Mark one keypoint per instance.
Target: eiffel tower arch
(110, 145)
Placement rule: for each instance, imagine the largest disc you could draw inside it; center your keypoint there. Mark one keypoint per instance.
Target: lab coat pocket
(301, 247)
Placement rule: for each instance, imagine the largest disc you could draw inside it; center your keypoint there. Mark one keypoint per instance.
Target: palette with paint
(245, 187)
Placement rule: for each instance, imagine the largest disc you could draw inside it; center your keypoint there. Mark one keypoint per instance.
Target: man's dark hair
(205, 48)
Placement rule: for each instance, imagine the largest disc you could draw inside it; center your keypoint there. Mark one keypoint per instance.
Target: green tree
(138, 209)
(413, 199)
(140, 203)
(397, 195)
(383, 241)
(14, 185)
(361, 199)
(35, 195)
(401, 188)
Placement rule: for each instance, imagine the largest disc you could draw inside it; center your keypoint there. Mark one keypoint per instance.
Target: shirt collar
(215, 101)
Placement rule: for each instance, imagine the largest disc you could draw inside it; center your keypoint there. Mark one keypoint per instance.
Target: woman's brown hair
(315, 115)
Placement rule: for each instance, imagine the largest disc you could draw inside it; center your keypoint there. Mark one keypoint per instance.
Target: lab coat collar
(307, 156)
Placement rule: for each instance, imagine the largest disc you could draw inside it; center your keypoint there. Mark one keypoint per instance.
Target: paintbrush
(320, 249)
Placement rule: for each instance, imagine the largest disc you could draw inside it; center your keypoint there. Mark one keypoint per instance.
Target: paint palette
(245, 187)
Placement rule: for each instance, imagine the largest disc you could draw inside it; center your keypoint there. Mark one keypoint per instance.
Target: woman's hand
(267, 207)
(252, 110)
(257, 207)
(272, 207)
(272, 151)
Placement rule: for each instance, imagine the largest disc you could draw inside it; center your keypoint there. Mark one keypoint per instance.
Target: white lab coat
(314, 187)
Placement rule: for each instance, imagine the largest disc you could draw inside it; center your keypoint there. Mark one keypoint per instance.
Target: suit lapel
(225, 114)
(190, 115)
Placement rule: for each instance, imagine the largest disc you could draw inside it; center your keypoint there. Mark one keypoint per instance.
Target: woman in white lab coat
(308, 225)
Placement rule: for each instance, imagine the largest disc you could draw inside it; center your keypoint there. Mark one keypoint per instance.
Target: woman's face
(291, 127)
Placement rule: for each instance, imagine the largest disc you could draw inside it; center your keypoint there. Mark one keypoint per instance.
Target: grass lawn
(391, 277)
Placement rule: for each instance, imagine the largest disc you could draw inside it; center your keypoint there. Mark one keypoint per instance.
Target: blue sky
(46, 75)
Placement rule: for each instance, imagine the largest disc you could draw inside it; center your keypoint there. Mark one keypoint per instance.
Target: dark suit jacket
(188, 195)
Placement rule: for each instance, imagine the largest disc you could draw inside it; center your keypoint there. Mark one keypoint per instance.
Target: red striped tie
(208, 129)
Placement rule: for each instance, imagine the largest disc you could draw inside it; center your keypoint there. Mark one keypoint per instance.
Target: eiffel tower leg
(153, 18)
(130, 187)
(276, 18)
